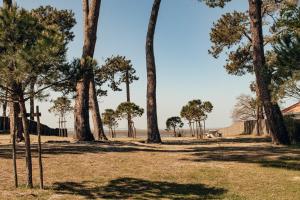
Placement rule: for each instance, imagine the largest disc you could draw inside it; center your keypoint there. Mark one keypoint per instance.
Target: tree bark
(27, 139)
(152, 126)
(82, 126)
(94, 106)
(272, 110)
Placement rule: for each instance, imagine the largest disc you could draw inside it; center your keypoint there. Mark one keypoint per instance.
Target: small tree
(174, 123)
(187, 114)
(121, 71)
(110, 120)
(245, 108)
(126, 109)
(61, 107)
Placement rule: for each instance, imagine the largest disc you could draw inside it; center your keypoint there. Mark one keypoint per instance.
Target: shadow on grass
(241, 140)
(242, 150)
(132, 188)
(267, 156)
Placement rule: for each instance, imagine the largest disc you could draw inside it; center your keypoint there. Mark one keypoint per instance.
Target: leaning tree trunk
(91, 15)
(27, 139)
(97, 121)
(272, 110)
(152, 126)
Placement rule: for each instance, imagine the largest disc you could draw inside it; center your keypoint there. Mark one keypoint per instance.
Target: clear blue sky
(185, 70)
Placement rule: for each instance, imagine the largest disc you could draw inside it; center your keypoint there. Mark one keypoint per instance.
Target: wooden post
(39, 147)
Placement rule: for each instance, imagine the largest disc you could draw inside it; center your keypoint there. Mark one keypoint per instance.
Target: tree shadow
(132, 188)
(61, 148)
(267, 156)
(241, 140)
(243, 150)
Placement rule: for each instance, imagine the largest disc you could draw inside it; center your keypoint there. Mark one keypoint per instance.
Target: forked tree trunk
(81, 112)
(91, 15)
(23, 113)
(14, 120)
(152, 126)
(94, 107)
(272, 110)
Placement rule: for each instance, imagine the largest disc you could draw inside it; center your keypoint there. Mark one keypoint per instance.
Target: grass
(228, 168)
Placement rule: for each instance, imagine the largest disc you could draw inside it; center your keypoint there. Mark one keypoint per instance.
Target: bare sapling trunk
(23, 114)
(39, 148)
(130, 130)
(13, 117)
(4, 107)
(191, 129)
(31, 100)
(94, 107)
(152, 125)
(272, 110)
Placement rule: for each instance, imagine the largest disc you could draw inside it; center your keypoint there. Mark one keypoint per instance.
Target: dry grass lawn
(228, 168)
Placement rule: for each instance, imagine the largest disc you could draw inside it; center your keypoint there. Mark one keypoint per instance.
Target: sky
(185, 70)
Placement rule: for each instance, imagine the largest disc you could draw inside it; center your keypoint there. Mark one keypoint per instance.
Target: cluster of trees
(126, 110)
(272, 57)
(195, 112)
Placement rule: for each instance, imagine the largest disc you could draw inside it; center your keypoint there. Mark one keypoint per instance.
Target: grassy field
(228, 168)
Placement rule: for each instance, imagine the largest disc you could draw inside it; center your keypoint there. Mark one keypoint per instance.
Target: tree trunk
(272, 110)
(81, 112)
(152, 126)
(130, 131)
(91, 15)
(31, 100)
(27, 139)
(94, 106)
(39, 148)
(191, 130)
(13, 118)
(4, 107)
